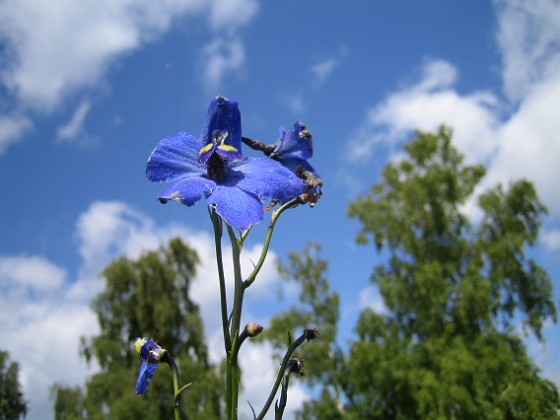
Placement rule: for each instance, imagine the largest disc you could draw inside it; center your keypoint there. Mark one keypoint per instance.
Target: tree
(448, 347)
(12, 404)
(145, 297)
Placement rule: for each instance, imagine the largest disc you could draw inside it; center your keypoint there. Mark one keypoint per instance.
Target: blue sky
(88, 88)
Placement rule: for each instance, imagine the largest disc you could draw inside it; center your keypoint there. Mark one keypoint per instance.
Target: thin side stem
(280, 375)
(275, 215)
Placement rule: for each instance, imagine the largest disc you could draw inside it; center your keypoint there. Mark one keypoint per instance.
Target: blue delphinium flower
(214, 166)
(292, 149)
(150, 353)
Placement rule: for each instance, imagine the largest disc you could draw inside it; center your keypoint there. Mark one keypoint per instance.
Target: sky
(87, 89)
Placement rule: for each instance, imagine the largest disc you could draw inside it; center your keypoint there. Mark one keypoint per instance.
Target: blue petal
(265, 177)
(223, 114)
(188, 190)
(145, 376)
(294, 144)
(237, 207)
(292, 164)
(173, 158)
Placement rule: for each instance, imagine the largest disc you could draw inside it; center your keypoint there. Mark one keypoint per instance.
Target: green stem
(175, 375)
(280, 376)
(217, 222)
(233, 365)
(275, 215)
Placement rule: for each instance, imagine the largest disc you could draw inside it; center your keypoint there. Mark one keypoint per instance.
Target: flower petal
(145, 375)
(292, 164)
(173, 158)
(265, 177)
(238, 208)
(296, 143)
(188, 190)
(223, 115)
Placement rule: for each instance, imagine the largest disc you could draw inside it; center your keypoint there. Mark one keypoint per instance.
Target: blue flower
(151, 354)
(214, 166)
(292, 149)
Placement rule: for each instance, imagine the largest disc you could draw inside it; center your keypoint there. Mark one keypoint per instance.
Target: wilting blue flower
(214, 166)
(294, 147)
(151, 354)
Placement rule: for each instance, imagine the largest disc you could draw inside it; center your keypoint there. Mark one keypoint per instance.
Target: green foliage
(145, 297)
(12, 404)
(446, 348)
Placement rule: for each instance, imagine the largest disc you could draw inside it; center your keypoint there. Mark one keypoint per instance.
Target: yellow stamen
(227, 148)
(205, 148)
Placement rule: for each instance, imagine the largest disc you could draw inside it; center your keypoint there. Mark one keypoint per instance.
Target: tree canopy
(458, 295)
(145, 297)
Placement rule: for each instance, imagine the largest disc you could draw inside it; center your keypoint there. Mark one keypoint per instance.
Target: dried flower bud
(311, 333)
(297, 366)
(253, 329)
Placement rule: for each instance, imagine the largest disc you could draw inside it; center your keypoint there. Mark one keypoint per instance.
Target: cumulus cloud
(425, 105)
(69, 45)
(523, 144)
(56, 49)
(528, 35)
(41, 305)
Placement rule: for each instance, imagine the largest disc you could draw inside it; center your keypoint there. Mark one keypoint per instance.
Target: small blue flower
(293, 148)
(151, 354)
(214, 166)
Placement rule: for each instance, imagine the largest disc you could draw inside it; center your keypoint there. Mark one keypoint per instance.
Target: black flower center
(216, 167)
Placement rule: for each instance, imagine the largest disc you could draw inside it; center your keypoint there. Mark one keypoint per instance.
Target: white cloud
(259, 373)
(370, 298)
(221, 56)
(62, 45)
(41, 327)
(425, 105)
(74, 127)
(44, 312)
(230, 14)
(528, 33)
(12, 128)
(56, 49)
(30, 272)
(294, 102)
(550, 239)
(521, 145)
(323, 69)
